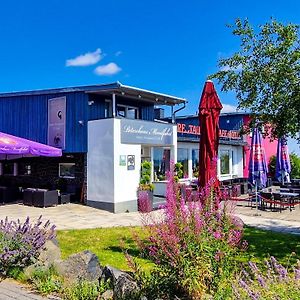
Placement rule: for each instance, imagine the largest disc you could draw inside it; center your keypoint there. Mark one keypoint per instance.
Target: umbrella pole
(256, 196)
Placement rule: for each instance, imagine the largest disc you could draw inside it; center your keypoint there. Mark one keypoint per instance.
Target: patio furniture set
(34, 196)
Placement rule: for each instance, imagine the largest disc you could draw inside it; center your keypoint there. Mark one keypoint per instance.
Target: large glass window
(224, 162)
(195, 162)
(161, 163)
(182, 157)
(128, 112)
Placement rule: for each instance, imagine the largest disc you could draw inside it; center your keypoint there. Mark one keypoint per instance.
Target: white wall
(100, 161)
(126, 181)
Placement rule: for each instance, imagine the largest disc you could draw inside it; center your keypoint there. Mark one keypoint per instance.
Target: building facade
(105, 131)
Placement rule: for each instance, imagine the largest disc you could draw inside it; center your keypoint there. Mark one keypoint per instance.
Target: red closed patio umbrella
(209, 112)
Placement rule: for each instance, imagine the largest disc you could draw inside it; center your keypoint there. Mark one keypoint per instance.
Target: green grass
(106, 244)
(263, 243)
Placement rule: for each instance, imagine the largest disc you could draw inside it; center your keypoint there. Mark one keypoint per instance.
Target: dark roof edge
(92, 88)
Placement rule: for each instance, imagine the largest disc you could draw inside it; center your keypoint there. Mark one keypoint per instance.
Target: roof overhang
(136, 93)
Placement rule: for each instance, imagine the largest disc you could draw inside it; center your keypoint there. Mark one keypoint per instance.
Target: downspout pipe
(176, 111)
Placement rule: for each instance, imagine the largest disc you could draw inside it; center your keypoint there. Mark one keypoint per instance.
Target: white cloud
(87, 59)
(228, 108)
(118, 53)
(227, 68)
(109, 69)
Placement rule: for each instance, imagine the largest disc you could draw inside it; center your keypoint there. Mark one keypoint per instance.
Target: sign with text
(195, 130)
(57, 122)
(141, 132)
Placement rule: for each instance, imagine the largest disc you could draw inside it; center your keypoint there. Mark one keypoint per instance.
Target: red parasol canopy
(209, 112)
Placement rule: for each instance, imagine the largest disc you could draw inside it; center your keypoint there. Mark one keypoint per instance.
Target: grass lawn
(105, 243)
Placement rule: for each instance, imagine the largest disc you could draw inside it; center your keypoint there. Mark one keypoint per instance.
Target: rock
(51, 254)
(112, 274)
(108, 295)
(81, 266)
(125, 288)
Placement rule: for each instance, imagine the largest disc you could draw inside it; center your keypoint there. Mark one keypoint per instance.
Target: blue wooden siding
(147, 113)
(27, 116)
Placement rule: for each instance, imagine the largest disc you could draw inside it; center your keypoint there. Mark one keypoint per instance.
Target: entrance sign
(57, 122)
(190, 129)
(141, 132)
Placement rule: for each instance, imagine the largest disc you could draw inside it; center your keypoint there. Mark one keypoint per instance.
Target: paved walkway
(75, 216)
(10, 290)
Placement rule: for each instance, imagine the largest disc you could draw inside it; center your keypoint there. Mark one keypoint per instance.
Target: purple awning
(18, 147)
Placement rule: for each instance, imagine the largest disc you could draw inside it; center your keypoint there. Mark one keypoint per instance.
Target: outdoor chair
(267, 198)
(28, 196)
(283, 201)
(45, 198)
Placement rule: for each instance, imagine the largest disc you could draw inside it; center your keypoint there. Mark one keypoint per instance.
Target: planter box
(145, 201)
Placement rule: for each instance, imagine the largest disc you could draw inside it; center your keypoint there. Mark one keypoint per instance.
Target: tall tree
(265, 75)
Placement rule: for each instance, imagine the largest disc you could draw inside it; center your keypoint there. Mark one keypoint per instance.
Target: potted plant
(145, 190)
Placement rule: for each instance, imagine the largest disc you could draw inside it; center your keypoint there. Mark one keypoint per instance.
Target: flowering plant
(20, 243)
(193, 244)
(274, 283)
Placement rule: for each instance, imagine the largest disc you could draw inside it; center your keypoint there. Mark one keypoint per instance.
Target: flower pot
(145, 201)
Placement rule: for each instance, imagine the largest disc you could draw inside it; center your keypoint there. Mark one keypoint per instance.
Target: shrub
(46, 280)
(85, 290)
(21, 243)
(193, 246)
(276, 282)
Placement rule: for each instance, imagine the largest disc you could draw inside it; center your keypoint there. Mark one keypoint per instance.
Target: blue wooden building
(62, 117)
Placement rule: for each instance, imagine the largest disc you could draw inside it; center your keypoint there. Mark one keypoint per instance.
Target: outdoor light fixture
(91, 102)
(81, 122)
(156, 99)
(139, 96)
(123, 93)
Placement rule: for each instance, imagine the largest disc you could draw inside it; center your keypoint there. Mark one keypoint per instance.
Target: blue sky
(166, 46)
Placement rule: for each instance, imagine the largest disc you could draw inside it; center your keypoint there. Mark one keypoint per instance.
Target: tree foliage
(265, 75)
(295, 165)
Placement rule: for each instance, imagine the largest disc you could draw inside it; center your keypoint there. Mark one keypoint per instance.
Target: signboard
(195, 130)
(122, 161)
(141, 132)
(57, 122)
(130, 162)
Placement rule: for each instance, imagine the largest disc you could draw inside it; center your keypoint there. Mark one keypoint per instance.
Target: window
(10, 168)
(182, 157)
(67, 170)
(128, 112)
(161, 163)
(195, 162)
(224, 162)
(107, 108)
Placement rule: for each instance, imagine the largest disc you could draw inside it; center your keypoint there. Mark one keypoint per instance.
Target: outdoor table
(288, 194)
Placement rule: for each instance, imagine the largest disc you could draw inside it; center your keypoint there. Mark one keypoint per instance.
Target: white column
(114, 105)
(190, 163)
(152, 163)
(15, 169)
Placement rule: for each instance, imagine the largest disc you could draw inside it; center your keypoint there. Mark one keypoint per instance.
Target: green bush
(85, 290)
(46, 280)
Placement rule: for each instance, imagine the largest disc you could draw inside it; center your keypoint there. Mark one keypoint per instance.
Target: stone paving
(10, 290)
(76, 216)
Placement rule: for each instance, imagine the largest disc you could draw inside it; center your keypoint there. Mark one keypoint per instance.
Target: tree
(295, 165)
(265, 75)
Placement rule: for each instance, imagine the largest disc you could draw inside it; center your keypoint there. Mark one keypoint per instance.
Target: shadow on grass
(264, 243)
(129, 246)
